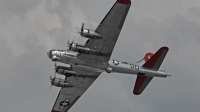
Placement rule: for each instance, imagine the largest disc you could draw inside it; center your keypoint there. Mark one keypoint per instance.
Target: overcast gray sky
(29, 28)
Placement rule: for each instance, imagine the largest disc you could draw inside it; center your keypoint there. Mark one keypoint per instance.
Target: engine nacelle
(60, 83)
(55, 58)
(82, 49)
(109, 70)
(67, 71)
(87, 33)
(54, 55)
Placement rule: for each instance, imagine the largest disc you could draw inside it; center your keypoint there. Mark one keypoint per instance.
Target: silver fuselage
(112, 66)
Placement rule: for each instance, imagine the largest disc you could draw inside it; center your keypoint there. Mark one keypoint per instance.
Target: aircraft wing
(109, 29)
(68, 96)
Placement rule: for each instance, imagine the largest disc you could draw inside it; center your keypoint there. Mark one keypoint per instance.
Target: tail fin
(156, 60)
(153, 63)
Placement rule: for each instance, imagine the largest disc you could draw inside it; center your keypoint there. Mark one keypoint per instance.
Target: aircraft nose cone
(49, 53)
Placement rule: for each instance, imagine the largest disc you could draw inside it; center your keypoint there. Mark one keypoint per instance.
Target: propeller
(72, 41)
(51, 80)
(55, 66)
(82, 28)
(70, 44)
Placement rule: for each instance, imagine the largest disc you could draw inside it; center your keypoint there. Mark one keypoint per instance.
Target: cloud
(192, 14)
(37, 22)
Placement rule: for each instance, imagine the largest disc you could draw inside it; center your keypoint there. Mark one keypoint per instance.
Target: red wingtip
(165, 48)
(124, 1)
(136, 93)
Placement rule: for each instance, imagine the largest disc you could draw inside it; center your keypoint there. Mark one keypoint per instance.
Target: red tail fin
(156, 60)
(151, 63)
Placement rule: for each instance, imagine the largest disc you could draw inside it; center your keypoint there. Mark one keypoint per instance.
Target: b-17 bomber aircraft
(86, 62)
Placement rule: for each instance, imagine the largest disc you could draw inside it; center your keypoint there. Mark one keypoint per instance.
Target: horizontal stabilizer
(141, 83)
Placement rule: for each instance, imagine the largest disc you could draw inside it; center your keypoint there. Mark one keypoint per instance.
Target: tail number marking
(136, 67)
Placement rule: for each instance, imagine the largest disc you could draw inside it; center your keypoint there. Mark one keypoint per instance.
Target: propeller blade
(65, 80)
(51, 78)
(82, 27)
(52, 81)
(68, 42)
(55, 66)
(55, 74)
(51, 85)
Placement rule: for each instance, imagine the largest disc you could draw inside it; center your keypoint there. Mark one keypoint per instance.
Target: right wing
(153, 63)
(109, 28)
(68, 96)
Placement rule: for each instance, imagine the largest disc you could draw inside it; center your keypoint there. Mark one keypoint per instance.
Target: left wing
(68, 96)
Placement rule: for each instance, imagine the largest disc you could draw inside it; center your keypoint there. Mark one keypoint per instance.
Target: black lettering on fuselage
(136, 67)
